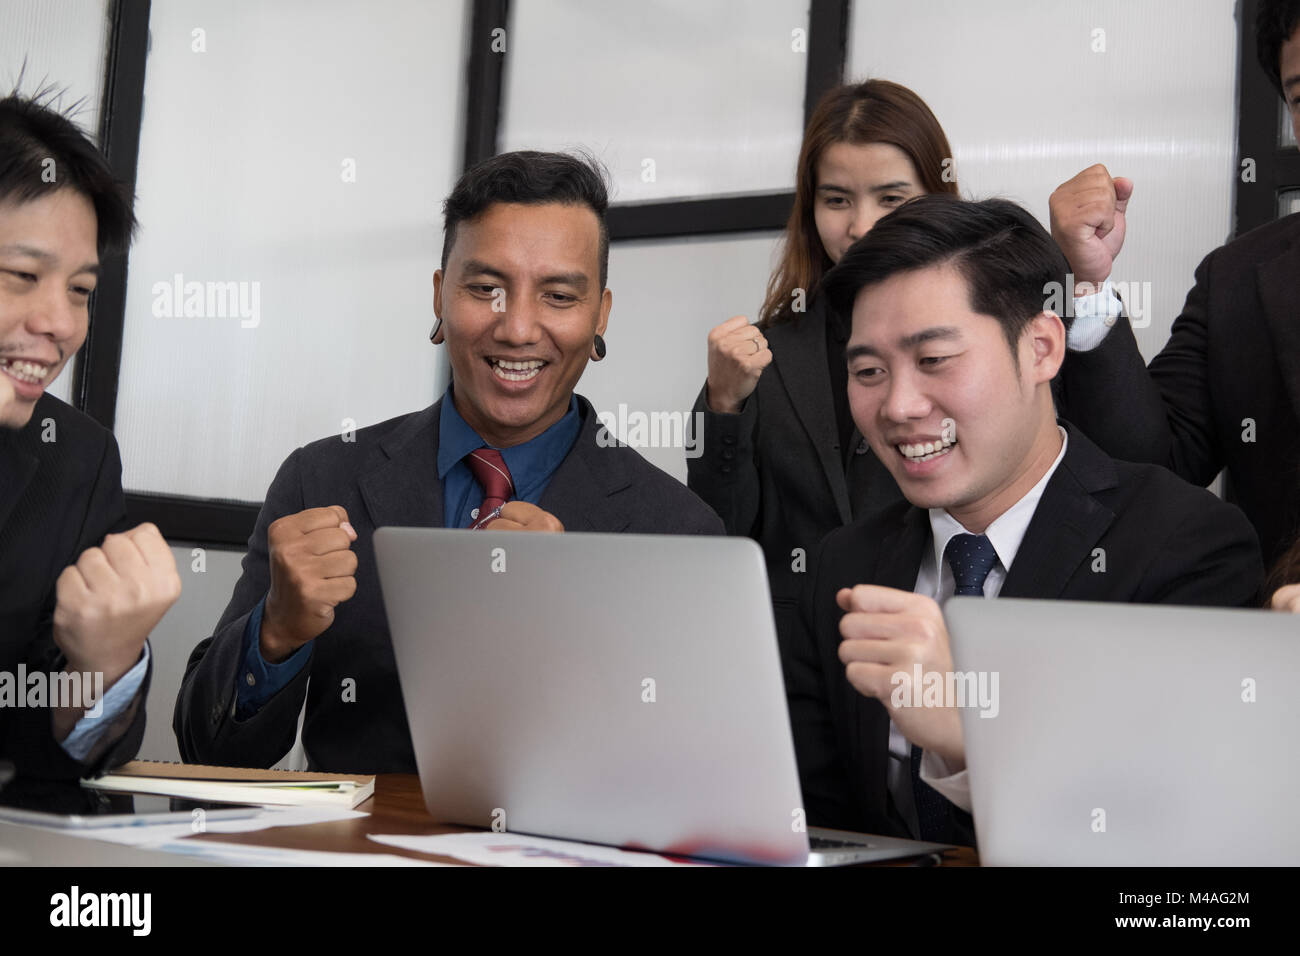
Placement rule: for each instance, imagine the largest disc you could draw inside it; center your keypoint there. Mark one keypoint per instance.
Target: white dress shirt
(935, 579)
(1094, 316)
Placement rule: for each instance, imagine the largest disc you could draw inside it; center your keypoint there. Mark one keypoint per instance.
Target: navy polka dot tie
(971, 557)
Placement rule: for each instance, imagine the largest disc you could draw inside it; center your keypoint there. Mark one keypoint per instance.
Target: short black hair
(532, 178)
(1275, 23)
(1010, 263)
(32, 133)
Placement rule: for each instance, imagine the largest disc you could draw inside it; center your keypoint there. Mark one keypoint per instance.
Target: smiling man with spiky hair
(75, 599)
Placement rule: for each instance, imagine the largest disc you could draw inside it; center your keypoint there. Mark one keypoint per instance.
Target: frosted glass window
(668, 294)
(1149, 89)
(60, 45)
(678, 98)
(293, 161)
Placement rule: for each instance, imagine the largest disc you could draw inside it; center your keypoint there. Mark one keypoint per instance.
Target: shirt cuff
(954, 786)
(1094, 315)
(259, 680)
(96, 721)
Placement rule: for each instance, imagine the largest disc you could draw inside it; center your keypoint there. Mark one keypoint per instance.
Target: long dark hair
(1286, 571)
(874, 111)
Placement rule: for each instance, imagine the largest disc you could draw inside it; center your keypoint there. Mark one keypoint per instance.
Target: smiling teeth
(924, 451)
(30, 372)
(516, 371)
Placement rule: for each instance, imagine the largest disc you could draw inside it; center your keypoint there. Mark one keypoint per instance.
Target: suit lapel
(1276, 284)
(404, 490)
(1066, 525)
(580, 492)
(800, 358)
(902, 552)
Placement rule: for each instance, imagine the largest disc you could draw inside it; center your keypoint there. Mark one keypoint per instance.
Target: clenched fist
(521, 516)
(312, 572)
(886, 632)
(109, 601)
(1089, 221)
(738, 353)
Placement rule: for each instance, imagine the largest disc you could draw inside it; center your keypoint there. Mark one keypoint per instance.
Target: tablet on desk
(146, 810)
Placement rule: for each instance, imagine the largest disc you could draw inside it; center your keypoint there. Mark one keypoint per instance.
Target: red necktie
(490, 471)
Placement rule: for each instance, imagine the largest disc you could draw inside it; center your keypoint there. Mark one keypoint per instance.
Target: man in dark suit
(1224, 393)
(76, 602)
(522, 304)
(951, 360)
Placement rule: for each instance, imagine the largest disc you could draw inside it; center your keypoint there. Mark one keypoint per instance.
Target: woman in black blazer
(782, 461)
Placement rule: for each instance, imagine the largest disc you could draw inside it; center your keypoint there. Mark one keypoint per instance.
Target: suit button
(728, 454)
(862, 448)
(728, 439)
(726, 469)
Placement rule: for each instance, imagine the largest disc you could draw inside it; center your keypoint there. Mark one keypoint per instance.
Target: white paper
(155, 834)
(514, 849)
(240, 854)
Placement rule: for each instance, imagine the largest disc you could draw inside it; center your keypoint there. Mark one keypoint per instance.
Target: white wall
(1027, 103)
(668, 294)
(204, 595)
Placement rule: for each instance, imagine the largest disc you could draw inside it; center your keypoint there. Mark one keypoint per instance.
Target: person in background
(75, 597)
(782, 461)
(1224, 392)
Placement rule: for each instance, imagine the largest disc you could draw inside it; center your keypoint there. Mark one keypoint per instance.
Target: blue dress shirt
(87, 730)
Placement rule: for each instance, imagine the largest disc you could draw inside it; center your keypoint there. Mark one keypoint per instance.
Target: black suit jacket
(60, 493)
(776, 473)
(1164, 542)
(1233, 355)
(388, 476)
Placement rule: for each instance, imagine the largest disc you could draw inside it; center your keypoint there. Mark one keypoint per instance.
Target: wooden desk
(398, 807)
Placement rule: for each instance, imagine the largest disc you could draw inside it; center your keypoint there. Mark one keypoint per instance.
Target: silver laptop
(608, 688)
(1130, 735)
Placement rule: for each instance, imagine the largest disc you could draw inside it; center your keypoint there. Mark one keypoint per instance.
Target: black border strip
(94, 382)
(485, 80)
(658, 220)
(201, 520)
